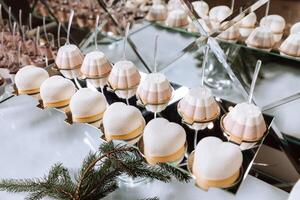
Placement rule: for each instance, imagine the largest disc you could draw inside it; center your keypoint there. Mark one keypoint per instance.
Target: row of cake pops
(266, 36)
(164, 141)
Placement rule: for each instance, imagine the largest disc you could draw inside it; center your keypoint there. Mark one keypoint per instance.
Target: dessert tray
(170, 113)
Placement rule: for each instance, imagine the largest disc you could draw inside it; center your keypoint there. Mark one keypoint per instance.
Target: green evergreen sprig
(97, 176)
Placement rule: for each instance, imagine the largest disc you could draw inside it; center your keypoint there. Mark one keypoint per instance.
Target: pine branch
(97, 176)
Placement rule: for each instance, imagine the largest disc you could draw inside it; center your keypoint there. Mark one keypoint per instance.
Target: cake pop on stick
(124, 77)
(199, 108)
(96, 67)
(155, 91)
(69, 57)
(245, 124)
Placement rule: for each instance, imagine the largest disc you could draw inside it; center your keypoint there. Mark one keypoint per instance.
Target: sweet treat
(216, 163)
(56, 92)
(96, 68)
(29, 79)
(68, 60)
(174, 5)
(205, 23)
(295, 28)
(247, 25)
(275, 23)
(123, 122)
(164, 141)
(295, 193)
(261, 38)
(291, 46)
(198, 107)
(154, 92)
(201, 7)
(232, 34)
(177, 18)
(218, 14)
(244, 122)
(124, 79)
(88, 106)
(157, 12)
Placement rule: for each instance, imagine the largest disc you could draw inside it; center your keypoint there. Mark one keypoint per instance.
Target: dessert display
(295, 28)
(218, 14)
(68, 60)
(198, 108)
(29, 79)
(88, 106)
(291, 46)
(275, 23)
(247, 25)
(124, 79)
(157, 12)
(164, 141)
(123, 122)
(261, 38)
(231, 34)
(96, 68)
(244, 122)
(201, 7)
(154, 92)
(295, 193)
(216, 163)
(56, 92)
(177, 18)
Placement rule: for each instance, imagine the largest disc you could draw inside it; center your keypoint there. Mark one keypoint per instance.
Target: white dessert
(198, 107)
(68, 60)
(155, 92)
(245, 122)
(164, 141)
(177, 18)
(29, 79)
(218, 14)
(261, 38)
(88, 106)
(124, 79)
(57, 91)
(157, 12)
(216, 163)
(291, 46)
(96, 68)
(247, 24)
(275, 23)
(123, 122)
(295, 28)
(201, 7)
(232, 34)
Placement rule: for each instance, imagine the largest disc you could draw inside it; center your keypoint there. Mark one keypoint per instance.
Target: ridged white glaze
(163, 138)
(261, 37)
(201, 7)
(30, 77)
(177, 18)
(291, 45)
